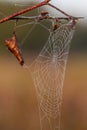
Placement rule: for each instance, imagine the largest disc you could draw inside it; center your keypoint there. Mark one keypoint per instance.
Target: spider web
(48, 72)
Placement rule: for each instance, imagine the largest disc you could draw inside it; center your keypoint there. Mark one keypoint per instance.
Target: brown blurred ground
(18, 101)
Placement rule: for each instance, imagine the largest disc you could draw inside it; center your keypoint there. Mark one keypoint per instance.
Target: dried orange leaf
(12, 45)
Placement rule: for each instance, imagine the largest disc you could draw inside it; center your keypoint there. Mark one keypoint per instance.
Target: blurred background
(18, 100)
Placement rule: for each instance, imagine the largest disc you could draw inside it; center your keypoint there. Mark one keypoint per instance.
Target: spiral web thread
(48, 72)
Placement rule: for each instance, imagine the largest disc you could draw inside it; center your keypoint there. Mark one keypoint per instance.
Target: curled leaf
(12, 45)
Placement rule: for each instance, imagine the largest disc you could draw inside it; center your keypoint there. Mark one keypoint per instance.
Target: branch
(24, 11)
(69, 16)
(45, 2)
(60, 10)
(40, 17)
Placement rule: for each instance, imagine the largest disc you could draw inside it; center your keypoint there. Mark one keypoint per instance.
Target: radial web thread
(48, 72)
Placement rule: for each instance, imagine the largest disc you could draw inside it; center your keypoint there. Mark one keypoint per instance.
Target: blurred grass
(75, 94)
(18, 101)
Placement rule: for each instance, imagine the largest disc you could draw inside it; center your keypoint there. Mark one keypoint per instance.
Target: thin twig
(24, 11)
(39, 17)
(59, 10)
(69, 16)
